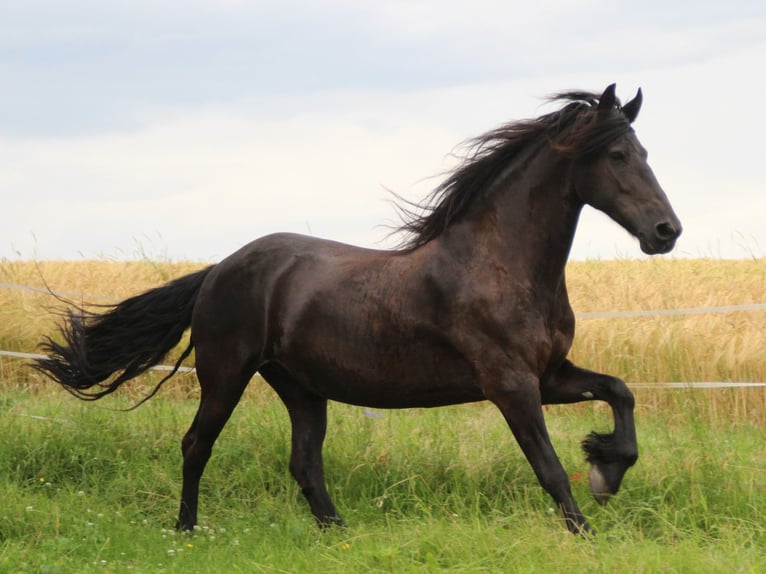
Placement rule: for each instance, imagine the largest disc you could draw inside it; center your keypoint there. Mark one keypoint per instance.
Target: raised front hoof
(605, 480)
(609, 463)
(599, 486)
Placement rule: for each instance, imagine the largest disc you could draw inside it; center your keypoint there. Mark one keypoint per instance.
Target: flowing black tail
(129, 338)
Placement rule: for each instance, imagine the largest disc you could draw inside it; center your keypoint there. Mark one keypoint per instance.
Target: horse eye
(617, 155)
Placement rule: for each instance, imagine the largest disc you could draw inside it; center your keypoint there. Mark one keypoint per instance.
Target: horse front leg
(610, 454)
(518, 398)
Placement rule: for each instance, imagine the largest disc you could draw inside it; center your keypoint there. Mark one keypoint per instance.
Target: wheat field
(646, 349)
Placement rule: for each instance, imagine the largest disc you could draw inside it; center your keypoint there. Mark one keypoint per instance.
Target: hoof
(576, 523)
(182, 527)
(327, 522)
(599, 486)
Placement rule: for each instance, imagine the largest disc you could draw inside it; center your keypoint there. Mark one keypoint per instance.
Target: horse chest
(527, 335)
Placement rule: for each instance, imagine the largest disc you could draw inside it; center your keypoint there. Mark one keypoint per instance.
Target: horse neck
(527, 220)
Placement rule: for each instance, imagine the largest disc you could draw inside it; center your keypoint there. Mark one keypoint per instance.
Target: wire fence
(709, 310)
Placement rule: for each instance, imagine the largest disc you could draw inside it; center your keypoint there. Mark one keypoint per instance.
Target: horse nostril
(666, 230)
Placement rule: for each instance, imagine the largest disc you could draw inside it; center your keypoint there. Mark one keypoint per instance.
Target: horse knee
(621, 395)
(186, 443)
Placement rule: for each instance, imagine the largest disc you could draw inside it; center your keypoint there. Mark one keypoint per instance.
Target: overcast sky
(185, 129)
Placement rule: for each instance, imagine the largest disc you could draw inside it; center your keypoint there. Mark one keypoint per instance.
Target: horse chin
(656, 248)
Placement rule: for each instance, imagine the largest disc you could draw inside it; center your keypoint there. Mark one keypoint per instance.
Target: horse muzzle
(661, 239)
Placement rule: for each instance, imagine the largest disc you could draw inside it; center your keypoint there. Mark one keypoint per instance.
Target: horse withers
(472, 307)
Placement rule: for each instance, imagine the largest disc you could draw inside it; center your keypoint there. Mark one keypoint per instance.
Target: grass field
(89, 489)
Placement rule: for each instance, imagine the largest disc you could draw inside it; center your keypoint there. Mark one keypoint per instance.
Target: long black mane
(578, 129)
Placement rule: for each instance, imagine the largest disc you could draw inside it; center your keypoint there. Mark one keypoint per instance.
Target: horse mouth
(662, 238)
(657, 246)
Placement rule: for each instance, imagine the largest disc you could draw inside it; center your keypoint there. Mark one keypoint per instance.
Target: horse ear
(633, 106)
(607, 100)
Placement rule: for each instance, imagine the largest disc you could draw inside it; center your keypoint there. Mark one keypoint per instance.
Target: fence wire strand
(711, 310)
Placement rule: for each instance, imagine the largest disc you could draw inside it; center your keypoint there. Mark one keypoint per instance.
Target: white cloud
(222, 176)
(208, 159)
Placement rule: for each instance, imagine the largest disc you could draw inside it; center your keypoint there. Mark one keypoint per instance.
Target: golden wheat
(679, 348)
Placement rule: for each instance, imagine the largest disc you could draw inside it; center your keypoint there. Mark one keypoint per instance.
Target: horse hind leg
(221, 391)
(308, 417)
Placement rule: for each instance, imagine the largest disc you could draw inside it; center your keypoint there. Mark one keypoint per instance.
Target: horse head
(615, 178)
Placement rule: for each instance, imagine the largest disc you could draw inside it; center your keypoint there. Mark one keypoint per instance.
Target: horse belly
(392, 394)
(380, 375)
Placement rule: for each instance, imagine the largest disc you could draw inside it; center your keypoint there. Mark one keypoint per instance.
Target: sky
(182, 130)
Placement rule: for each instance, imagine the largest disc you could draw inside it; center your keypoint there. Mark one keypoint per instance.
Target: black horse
(473, 307)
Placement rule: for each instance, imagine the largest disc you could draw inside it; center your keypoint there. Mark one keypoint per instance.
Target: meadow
(87, 488)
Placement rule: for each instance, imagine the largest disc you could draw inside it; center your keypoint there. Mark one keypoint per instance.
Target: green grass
(89, 489)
